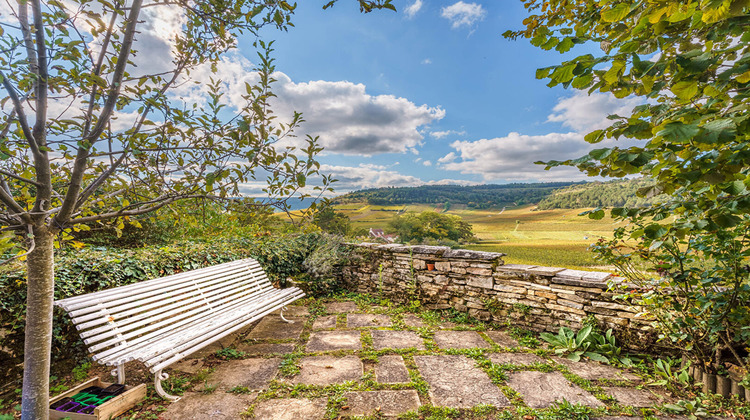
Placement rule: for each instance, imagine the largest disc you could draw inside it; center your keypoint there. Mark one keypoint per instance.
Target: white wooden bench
(161, 321)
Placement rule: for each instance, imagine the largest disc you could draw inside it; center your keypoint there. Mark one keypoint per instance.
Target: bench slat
(163, 327)
(82, 301)
(161, 321)
(180, 352)
(183, 308)
(118, 312)
(151, 290)
(206, 331)
(144, 312)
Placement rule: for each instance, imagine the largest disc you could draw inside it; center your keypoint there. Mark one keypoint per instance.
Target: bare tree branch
(79, 168)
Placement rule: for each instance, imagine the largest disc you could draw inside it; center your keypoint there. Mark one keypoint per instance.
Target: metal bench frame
(161, 321)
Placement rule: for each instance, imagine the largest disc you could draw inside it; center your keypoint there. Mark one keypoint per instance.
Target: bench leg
(158, 377)
(281, 313)
(119, 371)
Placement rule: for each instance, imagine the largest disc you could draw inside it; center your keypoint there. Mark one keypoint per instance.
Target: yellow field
(557, 238)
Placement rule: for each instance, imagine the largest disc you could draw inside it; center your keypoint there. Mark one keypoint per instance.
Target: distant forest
(548, 195)
(619, 193)
(473, 196)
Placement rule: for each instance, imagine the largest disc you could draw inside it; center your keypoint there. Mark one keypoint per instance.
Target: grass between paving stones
(498, 373)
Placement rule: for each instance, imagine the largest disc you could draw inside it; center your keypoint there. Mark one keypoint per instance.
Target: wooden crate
(106, 411)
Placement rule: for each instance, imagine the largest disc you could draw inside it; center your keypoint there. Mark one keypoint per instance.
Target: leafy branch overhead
(686, 256)
(97, 124)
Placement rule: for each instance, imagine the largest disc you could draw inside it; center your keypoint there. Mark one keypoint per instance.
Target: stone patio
(285, 368)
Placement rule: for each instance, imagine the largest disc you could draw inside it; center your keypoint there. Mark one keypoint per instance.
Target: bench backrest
(113, 320)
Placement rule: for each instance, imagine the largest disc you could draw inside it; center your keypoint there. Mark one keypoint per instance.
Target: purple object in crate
(60, 403)
(89, 409)
(68, 407)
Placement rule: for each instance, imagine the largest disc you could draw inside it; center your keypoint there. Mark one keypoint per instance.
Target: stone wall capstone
(481, 284)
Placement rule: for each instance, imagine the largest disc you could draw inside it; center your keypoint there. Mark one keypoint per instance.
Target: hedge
(92, 269)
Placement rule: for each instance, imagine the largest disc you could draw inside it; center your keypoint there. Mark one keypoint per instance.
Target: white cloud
(586, 113)
(352, 178)
(426, 61)
(350, 121)
(450, 157)
(427, 163)
(412, 9)
(463, 14)
(347, 119)
(512, 157)
(442, 134)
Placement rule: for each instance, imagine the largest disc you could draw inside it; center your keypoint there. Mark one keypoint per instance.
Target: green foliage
(668, 373)
(92, 269)
(321, 264)
(616, 193)
(566, 410)
(586, 343)
(473, 196)
(229, 353)
(690, 63)
(430, 225)
(329, 221)
(692, 408)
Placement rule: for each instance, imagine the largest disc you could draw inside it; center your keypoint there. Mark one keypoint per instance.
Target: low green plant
(569, 411)
(573, 345)
(209, 389)
(81, 371)
(665, 370)
(606, 345)
(176, 385)
(229, 353)
(693, 409)
(587, 343)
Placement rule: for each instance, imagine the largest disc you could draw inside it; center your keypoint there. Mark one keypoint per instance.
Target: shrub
(92, 269)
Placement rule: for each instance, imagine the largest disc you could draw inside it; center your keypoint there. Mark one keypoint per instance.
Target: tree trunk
(38, 344)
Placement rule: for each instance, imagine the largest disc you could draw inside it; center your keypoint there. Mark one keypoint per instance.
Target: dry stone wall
(482, 285)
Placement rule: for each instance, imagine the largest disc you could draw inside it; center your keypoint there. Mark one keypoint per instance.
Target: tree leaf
(685, 90)
(616, 13)
(678, 132)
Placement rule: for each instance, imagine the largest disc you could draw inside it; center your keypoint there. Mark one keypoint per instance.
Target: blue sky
(431, 94)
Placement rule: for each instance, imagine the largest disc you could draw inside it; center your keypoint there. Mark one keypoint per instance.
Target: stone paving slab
(523, 359)
(300, 311)
(334, 340)
(291, 409)
(327, 370)
(274, 328)
(207, 351)
(638, 398)
(386, 339)
(501, 338)
(341, 307)
(384, 403)
(391, 370)
(215, 406)
(593, 371)
(368, 320)
(455, 381)
(325, 323)
(253, 349)
(190, 366)
(414, 321)
(459, 340)
(251, 373)
(543, 389)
